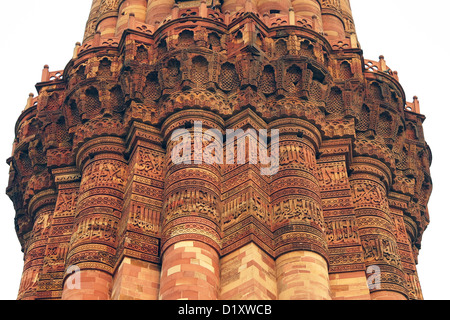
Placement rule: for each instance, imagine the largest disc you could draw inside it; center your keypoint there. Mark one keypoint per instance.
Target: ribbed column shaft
(107, 18)
(99, 209)
(266, 6)
(308, 9)
(297, 214)
(158, 11)
(91, 25)
(190, 236)
(333, 23)
(136, 7)
(67, 181)
(247, 272)
(346, 8)
(369, 182)
(233, 6)
(41, 207)
(138, 272)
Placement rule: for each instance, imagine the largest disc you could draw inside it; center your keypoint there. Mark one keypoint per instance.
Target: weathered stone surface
(104, 212)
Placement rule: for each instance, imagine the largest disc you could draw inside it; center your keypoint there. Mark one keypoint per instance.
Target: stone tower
(104, 212)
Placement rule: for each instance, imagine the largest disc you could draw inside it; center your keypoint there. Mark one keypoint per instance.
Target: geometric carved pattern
(267, 82)
(385, 124)
(94, 185)
(335, 103)
(228, 77)
(364, 119)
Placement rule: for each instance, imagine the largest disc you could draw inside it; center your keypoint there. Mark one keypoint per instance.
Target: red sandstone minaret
(103, 211)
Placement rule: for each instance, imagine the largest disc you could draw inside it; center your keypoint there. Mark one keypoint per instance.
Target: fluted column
(190, 232)
(299, 239)
(158, 11)
(91, 25)
(309, 9)
(67, 181)
(266, 6)
(41, 207)
(138, 258)
(345, 7)
(347, 14)
(347, 269)
(398, 205)
(107, 18)
(247, 270)
(233, 6)
(98, 212)
(127, 7)
(349, 23)
(370, 180)
(333, 23)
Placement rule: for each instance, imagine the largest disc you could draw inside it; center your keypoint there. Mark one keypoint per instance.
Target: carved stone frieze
(157, 139)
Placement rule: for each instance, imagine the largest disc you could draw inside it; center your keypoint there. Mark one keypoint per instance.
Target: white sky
(411, 34)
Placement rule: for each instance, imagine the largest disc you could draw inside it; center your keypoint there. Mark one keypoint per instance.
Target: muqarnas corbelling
(100, 203)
